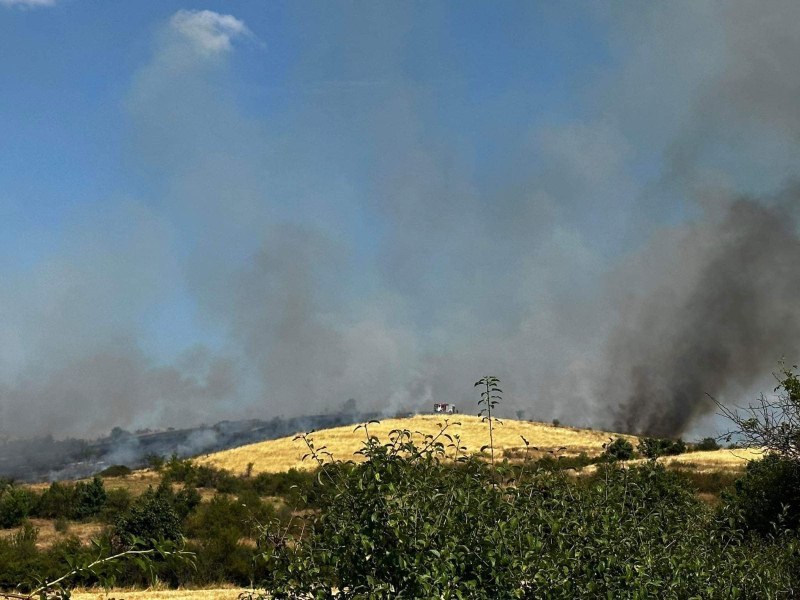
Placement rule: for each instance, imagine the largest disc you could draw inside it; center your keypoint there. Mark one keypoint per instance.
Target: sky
(219, 210)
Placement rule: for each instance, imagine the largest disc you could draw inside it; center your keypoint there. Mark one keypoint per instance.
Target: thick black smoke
(720, 316)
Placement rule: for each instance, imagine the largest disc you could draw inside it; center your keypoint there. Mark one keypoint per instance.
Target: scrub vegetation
(420, 514)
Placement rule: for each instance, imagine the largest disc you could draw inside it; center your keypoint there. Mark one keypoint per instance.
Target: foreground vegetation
(159, 593)
(405, 524)
(418, 516)
(233, 532)
(275, 456)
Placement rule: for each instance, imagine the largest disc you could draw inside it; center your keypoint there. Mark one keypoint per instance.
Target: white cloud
(27, 3)
(210, 32)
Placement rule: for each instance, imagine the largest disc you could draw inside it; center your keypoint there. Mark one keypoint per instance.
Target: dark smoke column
(723, 314)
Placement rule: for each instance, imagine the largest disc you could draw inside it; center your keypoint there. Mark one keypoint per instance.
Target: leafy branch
(774, 422)
(491, 395)
(58, 589)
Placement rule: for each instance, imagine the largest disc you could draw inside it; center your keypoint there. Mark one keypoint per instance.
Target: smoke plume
(722, 309)
(614, 244)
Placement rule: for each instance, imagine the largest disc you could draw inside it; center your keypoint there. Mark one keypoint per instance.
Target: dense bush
(767, 497)
(16, 504)
(23, 564)
(56, 501)
(654, 447)
(218, 527)
(63, 501)
(619, 449)
(118, 501)
(221, 532)
(708, 482)
(291, 485)
(406, 525)
(115, 471)
(294, 485)
(90, 498)
(556, 462)
(707, 444)
(153, 516)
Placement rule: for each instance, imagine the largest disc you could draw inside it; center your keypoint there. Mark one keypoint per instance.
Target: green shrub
(619, 449)
(56, 502)
(61, 525)
(154, 461)
(90, 498)
(63, 501)
(16, 504)
(709, 482)
(707, 444)
(185, 501)
(178, 470)
(768, 495)
(652, 448)
(405, 524)
(216, 517)
(118, 501)
(115, 471)
(151, 517)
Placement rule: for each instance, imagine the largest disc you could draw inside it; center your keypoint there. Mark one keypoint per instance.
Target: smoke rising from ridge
(389, 238)
(713, 322)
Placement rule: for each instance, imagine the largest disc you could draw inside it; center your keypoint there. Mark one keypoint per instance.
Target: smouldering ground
(231, 593)
(282, 454)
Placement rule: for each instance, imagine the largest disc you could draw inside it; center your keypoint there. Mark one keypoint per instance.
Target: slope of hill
(714, 460)
(282, 454)
(46, 459)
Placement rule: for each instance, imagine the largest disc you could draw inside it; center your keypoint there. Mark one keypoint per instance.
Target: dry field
(282, 454)
(48, 536)
(716, 460)
(136, 483)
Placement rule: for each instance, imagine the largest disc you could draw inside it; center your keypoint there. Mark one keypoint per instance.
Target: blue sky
(67, 69)
(250, 209)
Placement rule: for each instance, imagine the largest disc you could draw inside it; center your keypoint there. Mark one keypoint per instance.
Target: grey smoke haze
(611, 268)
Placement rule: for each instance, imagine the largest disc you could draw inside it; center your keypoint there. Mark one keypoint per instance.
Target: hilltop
(279, 455)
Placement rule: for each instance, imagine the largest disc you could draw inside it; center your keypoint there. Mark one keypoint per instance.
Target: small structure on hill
(445, 408)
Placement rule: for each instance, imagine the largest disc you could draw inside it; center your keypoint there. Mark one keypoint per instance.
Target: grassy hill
(276, 456)
(279, 455)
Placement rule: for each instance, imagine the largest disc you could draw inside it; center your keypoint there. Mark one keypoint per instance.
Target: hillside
(215, 501)
(279, 455)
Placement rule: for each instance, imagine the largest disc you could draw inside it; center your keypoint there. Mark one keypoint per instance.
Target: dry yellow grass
(282, 454)
(48, 535)
(231, 593)
(136, 483)
(716, 460)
